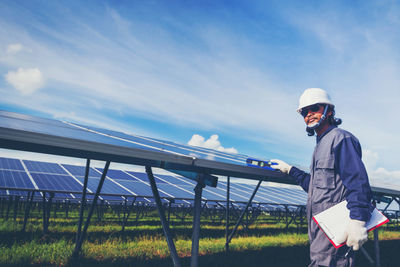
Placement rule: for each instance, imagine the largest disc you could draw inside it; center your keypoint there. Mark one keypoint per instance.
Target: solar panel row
(68, 178)
(167, 146)
(71, 139)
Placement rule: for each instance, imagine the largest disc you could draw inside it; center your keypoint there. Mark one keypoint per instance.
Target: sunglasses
(313, 108)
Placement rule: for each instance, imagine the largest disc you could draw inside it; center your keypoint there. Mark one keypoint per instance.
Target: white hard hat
(313, 96)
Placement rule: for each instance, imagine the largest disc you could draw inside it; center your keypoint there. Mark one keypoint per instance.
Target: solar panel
(56, 182)
(17, 193)
(15, 179)
(51, 176)
(179, 192)
(11, 164)
(108, 188)
(172, 179)
(140, 188)
(43, 167)
(118, 175)
(65, 138)
(3, 193)
(139, 176)
(167, 146)
(274, 194)
(211, 195)
(80, 171)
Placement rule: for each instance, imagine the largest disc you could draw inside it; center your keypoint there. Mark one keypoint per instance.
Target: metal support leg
(169, 211)
(228, 187)
(9, 202)
(130, 209)
(376, 246)
(96, 196)
(49, 209)
(102, 209)
(164, 222)
(16, 203)
(387, 205)
(125, 214)
(83, 202)
(196, 224)
(67, 209)
(2, 207)
(44, 212)
(243, 213)
(27, 209)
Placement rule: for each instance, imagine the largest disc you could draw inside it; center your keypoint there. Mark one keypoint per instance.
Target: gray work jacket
(336, 173)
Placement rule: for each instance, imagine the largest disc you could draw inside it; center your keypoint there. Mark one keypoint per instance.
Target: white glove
(280, 165)
(356, 234)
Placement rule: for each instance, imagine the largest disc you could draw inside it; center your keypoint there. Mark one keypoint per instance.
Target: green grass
(143, 243)
(58, 252)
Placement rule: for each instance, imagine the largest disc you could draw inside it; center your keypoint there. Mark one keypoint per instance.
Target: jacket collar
(319, 137)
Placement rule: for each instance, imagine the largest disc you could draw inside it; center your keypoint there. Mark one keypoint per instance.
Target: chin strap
(312, 127)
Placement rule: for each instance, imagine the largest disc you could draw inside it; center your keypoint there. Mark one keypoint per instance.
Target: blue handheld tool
(260, 163)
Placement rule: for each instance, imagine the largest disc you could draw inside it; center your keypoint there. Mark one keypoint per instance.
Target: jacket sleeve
(301, 177)
(354, 177)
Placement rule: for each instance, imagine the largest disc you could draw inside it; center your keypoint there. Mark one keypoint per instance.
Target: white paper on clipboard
(334, 221)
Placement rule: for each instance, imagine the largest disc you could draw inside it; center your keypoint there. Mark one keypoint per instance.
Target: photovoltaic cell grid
(80, 171)
(15, 179)
(166, 146)
(143, 150)
(11, 164)
(56, 182)
(53, 176)
(43, 167)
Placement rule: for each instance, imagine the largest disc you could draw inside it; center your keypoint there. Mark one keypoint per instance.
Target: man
(336, 174)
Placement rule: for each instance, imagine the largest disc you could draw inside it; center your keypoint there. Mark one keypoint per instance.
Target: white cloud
(370, 159)
(219, 88)
(14, 48)
(212, 143)
(378, 175)
(26, 81)
(383, 173)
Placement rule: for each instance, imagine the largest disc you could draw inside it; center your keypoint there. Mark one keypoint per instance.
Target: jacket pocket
(324, 175)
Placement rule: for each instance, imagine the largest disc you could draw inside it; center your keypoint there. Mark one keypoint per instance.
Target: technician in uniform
(336, 174)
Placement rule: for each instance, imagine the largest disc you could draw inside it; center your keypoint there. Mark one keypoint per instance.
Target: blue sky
(173, 69)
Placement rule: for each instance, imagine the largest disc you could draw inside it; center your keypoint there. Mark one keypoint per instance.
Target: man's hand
(280, 165)
(356, 234)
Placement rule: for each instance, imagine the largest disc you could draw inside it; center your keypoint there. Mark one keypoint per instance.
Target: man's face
(312, 114)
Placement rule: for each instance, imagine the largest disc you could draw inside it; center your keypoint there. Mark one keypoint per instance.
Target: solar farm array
(67, 181)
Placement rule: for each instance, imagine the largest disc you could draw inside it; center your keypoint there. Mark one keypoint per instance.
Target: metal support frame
(67, 203)
(164, 223)
(228, 187)
(169, 210)
(46, 207)
(9, 202)
(44, 212)
(16, 204)
(79, 242)
(204, 178)
(1, 206)
(388, 204)
(398, 201)
(196, 223)
(83, 202)
(27, 209)
(128, 213)
(376, 248)
(139, 209)
(243, 213)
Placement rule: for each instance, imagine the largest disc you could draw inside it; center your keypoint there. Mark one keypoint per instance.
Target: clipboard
(333, 222)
